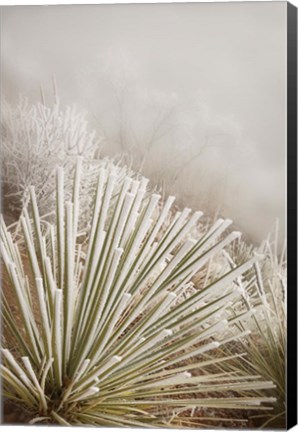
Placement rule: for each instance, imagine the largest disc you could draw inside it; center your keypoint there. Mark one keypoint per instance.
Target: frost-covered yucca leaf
(102, 331)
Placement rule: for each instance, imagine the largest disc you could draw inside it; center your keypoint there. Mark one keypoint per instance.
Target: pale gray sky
(231, 54)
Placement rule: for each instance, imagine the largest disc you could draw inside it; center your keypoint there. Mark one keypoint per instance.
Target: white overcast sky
(233, 54)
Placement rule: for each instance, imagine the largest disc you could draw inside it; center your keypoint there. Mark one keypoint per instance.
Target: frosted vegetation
(121, 307)
(35, 139)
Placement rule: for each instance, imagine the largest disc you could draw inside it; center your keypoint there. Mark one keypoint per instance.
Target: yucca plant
(101, 331)
(264, 293)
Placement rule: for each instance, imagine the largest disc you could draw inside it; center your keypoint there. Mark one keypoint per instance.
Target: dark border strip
(292, 214)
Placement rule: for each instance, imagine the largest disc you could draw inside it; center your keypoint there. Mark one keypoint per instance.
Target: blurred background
(191, 95)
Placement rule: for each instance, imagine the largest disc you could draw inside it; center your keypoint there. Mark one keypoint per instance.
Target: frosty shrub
(101, 331)
(35, 139)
